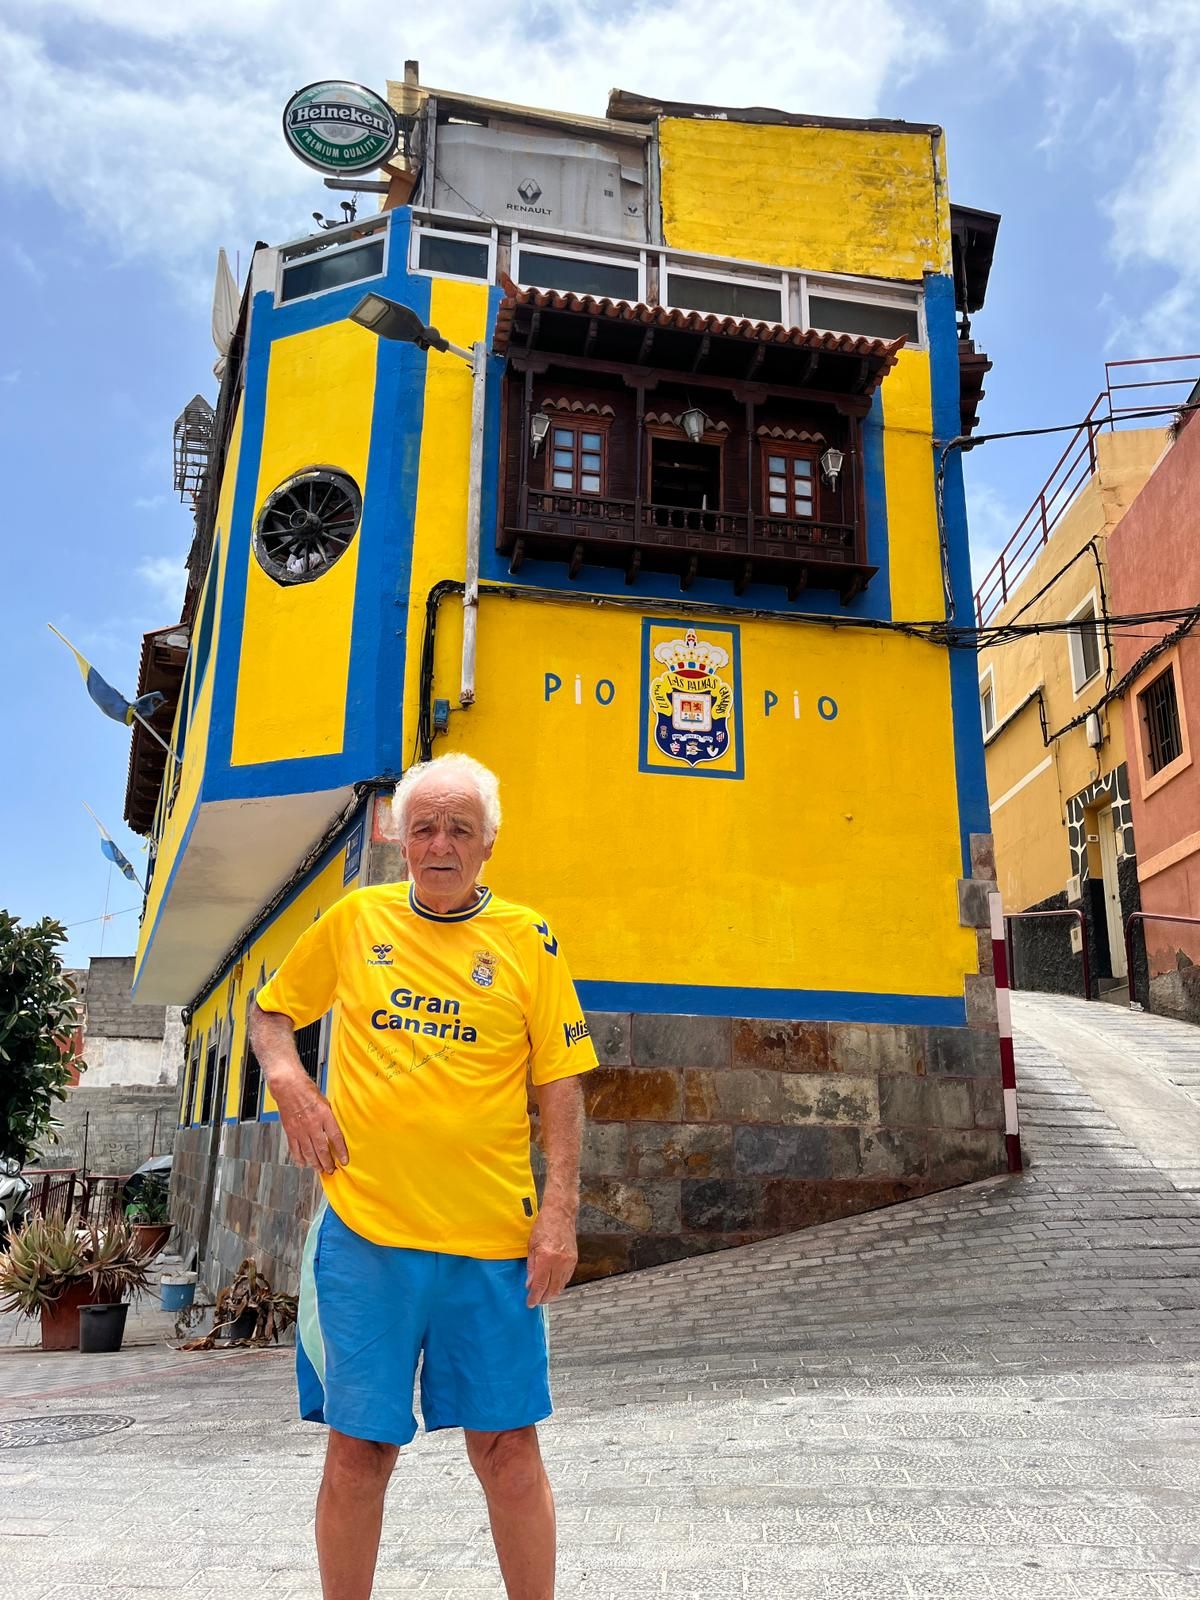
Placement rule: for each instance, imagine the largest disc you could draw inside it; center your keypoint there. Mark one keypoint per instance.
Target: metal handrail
(1070, 473)
(1145, 916)
(1014, 916)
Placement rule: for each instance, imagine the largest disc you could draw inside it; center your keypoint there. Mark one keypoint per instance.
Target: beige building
(1054, 735)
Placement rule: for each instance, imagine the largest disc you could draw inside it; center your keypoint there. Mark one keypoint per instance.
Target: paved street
(984, 1393)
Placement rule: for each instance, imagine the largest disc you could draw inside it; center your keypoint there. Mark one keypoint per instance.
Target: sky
(142, 135)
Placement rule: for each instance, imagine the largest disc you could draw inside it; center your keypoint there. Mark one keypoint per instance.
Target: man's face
(444, 842)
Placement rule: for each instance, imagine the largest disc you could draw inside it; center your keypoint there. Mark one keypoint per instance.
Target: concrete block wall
(121, 1127)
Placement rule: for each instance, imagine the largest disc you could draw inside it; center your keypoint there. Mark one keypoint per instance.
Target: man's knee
(508, 1465)
(361, 1466)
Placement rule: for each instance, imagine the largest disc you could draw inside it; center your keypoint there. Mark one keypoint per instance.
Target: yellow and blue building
(720, 354)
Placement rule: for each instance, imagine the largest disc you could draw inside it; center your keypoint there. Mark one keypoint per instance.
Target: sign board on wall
(340, 127)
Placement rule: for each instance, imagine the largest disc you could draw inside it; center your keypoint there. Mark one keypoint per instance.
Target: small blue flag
(110, 848)
(111, 701)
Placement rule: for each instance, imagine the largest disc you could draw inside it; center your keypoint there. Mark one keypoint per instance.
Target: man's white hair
(455, 768)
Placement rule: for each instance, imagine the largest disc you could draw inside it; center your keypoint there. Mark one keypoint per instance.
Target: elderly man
(430, 1243)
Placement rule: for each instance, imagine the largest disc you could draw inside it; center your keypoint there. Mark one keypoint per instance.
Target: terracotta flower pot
(150, 1237)
(60, 1322)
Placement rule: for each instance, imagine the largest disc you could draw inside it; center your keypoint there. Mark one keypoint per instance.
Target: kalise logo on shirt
(574, 1031)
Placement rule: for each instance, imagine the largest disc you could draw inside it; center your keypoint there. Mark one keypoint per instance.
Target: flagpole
(104, 918)
(154, 734)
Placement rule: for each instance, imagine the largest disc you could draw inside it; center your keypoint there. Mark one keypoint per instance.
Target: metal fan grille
(307, 525)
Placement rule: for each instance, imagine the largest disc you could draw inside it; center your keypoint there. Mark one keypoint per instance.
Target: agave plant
(49, 1255)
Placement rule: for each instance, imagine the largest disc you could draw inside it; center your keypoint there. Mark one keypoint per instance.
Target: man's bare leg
(350, 1514)
(520, 1509)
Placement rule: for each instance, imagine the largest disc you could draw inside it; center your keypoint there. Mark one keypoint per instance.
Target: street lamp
(831, 465)
(539, 427)
(390, 320)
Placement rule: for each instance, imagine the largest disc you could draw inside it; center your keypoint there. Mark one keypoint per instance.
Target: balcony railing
(586, 516)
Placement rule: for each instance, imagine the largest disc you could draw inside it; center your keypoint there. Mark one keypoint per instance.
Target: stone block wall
(261, 1204)
(707, 1132)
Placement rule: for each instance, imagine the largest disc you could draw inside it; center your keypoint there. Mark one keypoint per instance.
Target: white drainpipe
(466, 693)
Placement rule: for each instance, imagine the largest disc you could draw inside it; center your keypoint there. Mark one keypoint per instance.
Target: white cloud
(162, 126)
(1142, 132)
(167, 578)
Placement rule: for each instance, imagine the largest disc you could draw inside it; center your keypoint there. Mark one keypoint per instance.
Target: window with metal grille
(210, 1078)
(189, 1092)
(1160, 718)
(251, 1086)
(308, 1047)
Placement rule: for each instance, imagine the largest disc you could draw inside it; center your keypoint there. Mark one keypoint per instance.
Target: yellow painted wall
(837, 856)
(295, 655)
(1032, 848)
(264, 954)
(914, 552)
(824, 199)
(196, 745)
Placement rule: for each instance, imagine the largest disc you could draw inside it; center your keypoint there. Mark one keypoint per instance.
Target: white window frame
(486, 236)
(520, 243)
(987, 685)
(860, 293)
(331, 242)
(711, 272)
(1075, 645)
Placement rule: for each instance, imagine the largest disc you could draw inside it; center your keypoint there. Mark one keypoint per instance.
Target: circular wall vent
(307, 524)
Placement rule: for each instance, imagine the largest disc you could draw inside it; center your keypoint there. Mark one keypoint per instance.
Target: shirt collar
(464, 915)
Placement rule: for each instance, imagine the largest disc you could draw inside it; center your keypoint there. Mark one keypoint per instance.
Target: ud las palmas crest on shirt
(693, 705)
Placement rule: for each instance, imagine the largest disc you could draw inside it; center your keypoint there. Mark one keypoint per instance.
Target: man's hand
(313, 1136)
(552, 1254)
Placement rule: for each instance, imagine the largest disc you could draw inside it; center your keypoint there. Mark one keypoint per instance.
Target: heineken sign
(340, 127)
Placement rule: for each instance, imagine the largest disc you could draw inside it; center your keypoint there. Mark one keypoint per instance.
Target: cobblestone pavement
(986, 1392)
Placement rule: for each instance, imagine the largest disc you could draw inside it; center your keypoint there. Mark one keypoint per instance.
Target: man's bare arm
(313, 1136)
(552, 1247)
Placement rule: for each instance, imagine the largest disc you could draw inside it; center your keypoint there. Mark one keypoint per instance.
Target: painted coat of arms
(693, 704)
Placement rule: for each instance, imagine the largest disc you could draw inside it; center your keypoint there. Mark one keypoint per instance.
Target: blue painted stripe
(875, 497)
(793, 1005)
(969, 768)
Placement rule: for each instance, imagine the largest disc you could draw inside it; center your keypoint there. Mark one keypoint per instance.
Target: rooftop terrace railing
(1125, 401)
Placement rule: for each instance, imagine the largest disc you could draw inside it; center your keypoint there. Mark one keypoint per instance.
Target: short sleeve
(305, 984)
(559, 1037)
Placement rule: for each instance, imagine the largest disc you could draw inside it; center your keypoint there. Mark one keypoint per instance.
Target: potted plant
(248, 1312)
(151, 1222)
(54, 1265)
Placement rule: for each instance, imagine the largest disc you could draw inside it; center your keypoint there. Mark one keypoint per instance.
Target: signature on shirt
(391, 1067)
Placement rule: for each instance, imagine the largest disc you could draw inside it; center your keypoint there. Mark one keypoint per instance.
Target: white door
(1112, 892)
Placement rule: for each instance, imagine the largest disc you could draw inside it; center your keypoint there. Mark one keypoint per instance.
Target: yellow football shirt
(436, 1021)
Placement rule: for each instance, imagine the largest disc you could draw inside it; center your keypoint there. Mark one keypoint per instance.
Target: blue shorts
(369, 1312)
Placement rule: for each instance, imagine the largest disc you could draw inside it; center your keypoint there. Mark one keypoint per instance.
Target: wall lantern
(694, 422)
(539, 427)
(831, 466)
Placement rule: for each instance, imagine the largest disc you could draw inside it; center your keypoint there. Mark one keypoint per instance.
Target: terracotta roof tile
(774, 333)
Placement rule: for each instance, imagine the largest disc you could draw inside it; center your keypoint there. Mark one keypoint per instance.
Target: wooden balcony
(594, 530)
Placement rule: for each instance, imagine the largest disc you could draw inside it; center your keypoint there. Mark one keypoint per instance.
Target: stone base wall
(1175, 994)
(261, 1203)
(706, 1132)
(120, 1124)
